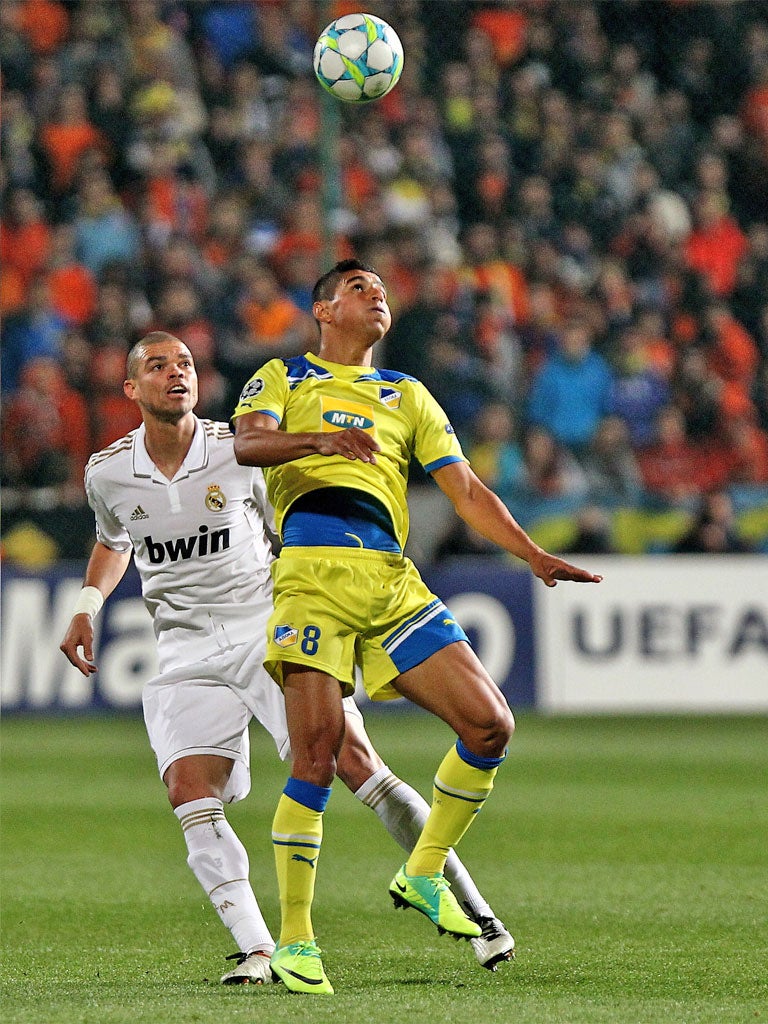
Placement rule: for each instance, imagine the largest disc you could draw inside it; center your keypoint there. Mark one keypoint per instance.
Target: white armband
(89, 601)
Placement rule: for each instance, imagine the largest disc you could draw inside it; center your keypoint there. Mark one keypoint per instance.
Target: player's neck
(167, 444)
(346, 352)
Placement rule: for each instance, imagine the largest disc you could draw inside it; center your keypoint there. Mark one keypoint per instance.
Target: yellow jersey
(307, 394)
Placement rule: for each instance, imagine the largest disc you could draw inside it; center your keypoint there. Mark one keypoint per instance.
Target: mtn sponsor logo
(338, 414)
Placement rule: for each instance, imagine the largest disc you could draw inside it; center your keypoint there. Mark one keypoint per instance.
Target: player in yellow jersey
(335, 437)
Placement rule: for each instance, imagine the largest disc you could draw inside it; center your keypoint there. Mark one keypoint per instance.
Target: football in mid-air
(358, 58)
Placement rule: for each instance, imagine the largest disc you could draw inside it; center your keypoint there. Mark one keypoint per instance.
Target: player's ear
(321, 311)
(129, 389)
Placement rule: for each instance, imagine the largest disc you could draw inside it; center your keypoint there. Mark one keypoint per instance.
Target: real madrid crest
(214, 499)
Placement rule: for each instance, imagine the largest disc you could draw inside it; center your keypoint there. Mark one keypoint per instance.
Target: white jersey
(198, 540)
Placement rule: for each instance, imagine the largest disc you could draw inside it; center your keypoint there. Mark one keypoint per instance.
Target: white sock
(403, 812)
(220, 864)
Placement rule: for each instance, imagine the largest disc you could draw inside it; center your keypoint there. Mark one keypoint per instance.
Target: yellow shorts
(337, 607)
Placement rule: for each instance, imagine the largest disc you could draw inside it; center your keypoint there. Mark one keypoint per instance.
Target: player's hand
(80, 636)
(550, 569)
(352, 443)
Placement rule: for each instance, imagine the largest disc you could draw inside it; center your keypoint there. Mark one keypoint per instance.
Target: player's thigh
(256, 688)
(315, 618)
(191, 710)
(410, 624)
(453, 684)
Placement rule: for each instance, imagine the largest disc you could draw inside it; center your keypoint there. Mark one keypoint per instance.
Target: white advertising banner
(684, 633)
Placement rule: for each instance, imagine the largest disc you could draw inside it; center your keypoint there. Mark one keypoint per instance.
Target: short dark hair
(136, 354)
(329, 282)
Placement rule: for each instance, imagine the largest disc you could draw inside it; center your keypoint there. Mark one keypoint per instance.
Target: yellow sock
(459, 792)
(297, 832)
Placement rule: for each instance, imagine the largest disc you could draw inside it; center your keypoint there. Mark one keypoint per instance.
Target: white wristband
(89, 601)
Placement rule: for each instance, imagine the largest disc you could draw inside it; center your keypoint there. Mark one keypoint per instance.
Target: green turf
(628, 856)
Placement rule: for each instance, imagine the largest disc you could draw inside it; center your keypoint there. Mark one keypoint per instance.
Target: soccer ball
(358, 58)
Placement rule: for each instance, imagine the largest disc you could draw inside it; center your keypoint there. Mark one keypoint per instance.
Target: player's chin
(380, 327)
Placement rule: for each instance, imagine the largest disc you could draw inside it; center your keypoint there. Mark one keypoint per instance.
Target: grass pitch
(629, 857)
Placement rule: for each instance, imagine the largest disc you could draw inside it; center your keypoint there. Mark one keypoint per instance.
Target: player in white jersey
(172, 495)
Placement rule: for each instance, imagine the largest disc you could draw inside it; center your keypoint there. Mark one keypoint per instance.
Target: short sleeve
(265, 392)
(109, 530)
(436, 444)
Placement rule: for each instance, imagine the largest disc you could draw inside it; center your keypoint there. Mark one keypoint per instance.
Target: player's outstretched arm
(259, 442)
(486, 513)
(105, 570)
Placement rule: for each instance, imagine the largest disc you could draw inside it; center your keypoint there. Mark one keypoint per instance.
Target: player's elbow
(246, 450)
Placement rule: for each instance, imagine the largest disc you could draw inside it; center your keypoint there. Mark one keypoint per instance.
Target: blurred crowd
(568, 203)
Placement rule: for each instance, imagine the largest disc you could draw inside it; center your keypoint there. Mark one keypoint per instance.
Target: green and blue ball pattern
(358, 58)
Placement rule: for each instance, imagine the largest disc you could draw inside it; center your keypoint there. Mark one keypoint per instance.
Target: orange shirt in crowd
(64, 145)
(182, 207)
(45, 23)
(715, 251)
(74, 292)
(507, 30)
(508, 284)
(59, 414)
(26, 248)
(270, 322)
(679, 469)
(748, 453)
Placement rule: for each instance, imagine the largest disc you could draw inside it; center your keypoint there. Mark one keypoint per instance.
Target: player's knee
(318, 768)
(196, 779)
(354, 767)
(182, 791)
(491, 738)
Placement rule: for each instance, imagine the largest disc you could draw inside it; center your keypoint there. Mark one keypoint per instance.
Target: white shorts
(206, 707)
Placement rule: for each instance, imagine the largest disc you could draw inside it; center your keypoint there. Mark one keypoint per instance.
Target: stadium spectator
(593, 533)
(673, 468)
(115, 320)
(696, 393)
(73, 288)
(486, 270)
(35, 331)
(745, 450)
(67, 138)
(112, 413)
(108, 113)
(713, 530)
(457, 374)
(273, 324)
(495, 453)
(105, 231)
(732, 357)
(715, 245)
(549, 470)
(45, 430)
(25, 239)
(17, 133)
(610, 466)
(173, 201)
(571, 390)
(637, 391)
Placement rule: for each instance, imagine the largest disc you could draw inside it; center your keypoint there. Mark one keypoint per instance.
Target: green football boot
(432, 896)
(299, 967)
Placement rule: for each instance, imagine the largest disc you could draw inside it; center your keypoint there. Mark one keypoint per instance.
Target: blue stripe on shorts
(420, 636)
